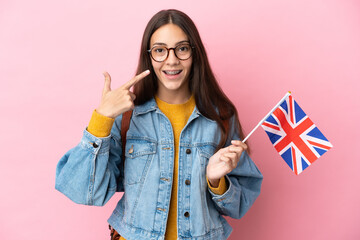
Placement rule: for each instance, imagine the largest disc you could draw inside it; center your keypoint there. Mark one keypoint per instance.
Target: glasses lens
(159, 53)
(183, 51)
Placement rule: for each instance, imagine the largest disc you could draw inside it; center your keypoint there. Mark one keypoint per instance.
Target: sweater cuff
(99, 125)
(221, 189)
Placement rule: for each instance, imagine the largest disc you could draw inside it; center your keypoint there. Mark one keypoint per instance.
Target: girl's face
(173, 74)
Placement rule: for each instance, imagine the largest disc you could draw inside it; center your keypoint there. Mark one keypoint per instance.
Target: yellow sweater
(178, 114)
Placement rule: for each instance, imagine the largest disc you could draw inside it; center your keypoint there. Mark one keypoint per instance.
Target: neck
(174, 96)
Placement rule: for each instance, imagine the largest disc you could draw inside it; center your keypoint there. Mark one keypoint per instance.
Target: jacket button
(188, 151)
(187, 214)
(187, 182)
(95, 145)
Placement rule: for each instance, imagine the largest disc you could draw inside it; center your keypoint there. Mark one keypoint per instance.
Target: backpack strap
(125, 122)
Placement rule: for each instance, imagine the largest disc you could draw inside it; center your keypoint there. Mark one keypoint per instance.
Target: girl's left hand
(224, 161)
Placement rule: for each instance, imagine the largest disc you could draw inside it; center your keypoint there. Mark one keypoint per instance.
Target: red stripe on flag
(293, 155)
(319, 145)
(291, 109)
(271, 126)
(305, 150)
(293, 135)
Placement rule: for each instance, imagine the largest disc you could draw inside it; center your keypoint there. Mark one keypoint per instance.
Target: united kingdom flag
(295, 136)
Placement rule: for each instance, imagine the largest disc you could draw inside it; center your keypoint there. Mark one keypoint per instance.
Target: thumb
(107, 84)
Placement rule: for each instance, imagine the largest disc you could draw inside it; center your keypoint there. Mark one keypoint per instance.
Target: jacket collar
(146, 107)
(151, 105)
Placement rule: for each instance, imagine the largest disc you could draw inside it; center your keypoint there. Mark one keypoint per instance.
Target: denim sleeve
(244, 184)
(90, 173)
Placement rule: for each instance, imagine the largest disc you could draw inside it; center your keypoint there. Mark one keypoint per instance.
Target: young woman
(184, 164)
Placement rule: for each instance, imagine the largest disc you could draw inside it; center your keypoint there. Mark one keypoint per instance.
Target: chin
(173, 86)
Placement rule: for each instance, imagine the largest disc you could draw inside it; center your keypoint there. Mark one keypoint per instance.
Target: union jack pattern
(295, 136)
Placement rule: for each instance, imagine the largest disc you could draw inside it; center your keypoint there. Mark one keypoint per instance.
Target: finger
(236, 149)
(221, 151)
(225, 149)
(136, 79)
(225, 159)
(228, 163)
(239, 144)
(230, 155)
(107, 84)
(233, 159)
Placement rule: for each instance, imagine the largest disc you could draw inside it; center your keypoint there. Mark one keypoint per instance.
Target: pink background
(53, 53)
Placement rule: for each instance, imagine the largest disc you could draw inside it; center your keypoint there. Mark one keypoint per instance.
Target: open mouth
(172, 73)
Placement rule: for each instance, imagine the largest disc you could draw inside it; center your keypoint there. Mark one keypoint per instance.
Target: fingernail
(147, 71)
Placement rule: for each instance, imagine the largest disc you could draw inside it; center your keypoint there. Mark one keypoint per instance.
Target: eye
(159, 50)
(183, 48)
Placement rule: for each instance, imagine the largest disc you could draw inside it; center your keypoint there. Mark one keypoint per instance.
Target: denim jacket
(92, 172)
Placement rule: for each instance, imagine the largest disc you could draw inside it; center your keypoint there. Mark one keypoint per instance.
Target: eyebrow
(164, 44)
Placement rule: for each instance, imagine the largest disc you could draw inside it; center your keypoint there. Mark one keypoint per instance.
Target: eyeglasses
(161, 53)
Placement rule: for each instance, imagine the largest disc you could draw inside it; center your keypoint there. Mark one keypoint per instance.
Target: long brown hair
(209, 98)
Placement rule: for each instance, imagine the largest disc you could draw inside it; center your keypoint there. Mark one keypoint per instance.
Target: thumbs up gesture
(115, 102)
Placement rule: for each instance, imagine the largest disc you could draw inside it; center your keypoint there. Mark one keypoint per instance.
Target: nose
(172, 59)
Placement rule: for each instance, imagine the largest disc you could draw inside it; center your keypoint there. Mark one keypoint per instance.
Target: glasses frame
(168, 52)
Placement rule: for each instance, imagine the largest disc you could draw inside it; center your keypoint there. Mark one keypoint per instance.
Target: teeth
(172, 72)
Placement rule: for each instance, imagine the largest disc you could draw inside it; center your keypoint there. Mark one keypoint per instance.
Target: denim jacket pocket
(206, 150)
(139, 152)
(212, 219)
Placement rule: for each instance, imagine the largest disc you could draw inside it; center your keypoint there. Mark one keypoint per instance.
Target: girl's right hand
(115, 102)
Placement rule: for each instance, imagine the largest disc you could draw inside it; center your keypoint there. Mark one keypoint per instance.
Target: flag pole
(272, 110)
